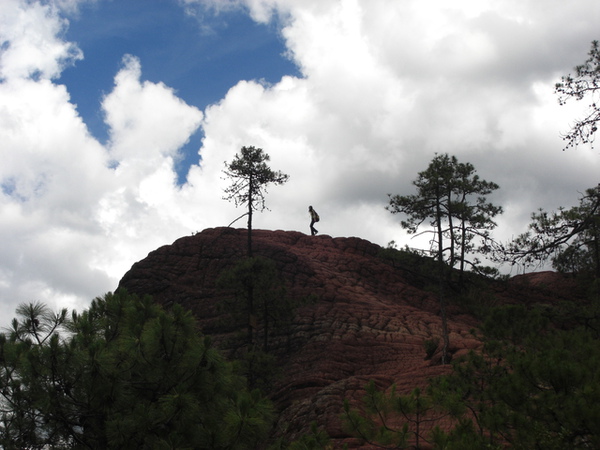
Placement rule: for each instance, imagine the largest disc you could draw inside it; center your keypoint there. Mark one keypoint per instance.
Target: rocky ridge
(370, 319)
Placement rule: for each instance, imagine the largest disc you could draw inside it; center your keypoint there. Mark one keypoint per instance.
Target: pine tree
(534, 385)
(271, 310)
(585, 84)
(250, 177)
(390, 420)
(570, 238)
(451, 199)
(123, 374)
(444, 198)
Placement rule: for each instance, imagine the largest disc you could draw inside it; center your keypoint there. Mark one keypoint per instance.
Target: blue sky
(116, 118)
(200, 58)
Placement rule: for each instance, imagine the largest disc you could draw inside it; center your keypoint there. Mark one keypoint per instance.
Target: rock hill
(369, 320)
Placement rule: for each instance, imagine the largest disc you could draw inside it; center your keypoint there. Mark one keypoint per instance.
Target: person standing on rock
(314, 217)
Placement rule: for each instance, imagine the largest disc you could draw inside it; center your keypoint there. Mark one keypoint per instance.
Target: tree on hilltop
(250, 176)
(444, 201)
(451, 196)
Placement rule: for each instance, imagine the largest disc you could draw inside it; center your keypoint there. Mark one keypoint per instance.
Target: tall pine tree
(450, 199)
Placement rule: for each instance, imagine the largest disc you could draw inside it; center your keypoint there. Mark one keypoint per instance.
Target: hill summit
(362, 316)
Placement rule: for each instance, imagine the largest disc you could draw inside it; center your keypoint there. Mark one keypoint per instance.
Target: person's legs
(313, 231)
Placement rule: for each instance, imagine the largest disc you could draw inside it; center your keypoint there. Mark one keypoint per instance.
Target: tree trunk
(463, 238)
(450, 226)
(250, 218)
(441, 275)
(596, 247)
(266, 326)
(250, 293)
(251, 317)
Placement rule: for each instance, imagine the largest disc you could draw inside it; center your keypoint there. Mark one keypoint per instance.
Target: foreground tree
(570, 238)
(585, 84)
(122, 374)
(444, 201)
(535, 383)
(271, 310)
(390, 420)
(250, 177)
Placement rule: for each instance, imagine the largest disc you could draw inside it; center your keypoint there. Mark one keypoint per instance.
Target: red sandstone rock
(369, 320)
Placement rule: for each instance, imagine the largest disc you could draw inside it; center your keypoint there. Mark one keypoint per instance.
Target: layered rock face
(367, 319)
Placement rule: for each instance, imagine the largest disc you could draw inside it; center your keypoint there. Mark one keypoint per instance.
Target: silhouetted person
(314, 217)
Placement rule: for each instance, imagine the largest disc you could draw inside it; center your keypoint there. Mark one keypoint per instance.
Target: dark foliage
(123, 374)
(250, 176)
(570, 238)
(584, 84)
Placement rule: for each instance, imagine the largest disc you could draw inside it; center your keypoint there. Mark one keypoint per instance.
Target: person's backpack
(317, 218)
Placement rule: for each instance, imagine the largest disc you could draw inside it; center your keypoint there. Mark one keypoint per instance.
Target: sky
(116, 119)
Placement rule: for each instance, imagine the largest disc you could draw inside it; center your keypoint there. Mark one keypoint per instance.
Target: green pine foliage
(122, 374)
(451, 205)
(390, 420)
(250, 175)
(270, 307)
(316, 439)
(570, 238)
(534, 384)
(584, 84)
(265, 315)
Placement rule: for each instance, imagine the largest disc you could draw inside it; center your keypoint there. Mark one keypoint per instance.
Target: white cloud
(148, 124)
(385, 85)
(29, 33)
(70, 224)
(146, 120)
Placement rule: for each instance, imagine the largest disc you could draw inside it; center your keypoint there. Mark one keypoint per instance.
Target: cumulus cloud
(387, 85)
(74, 212)
(384, 85)
(146, 120)
(31, 44)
